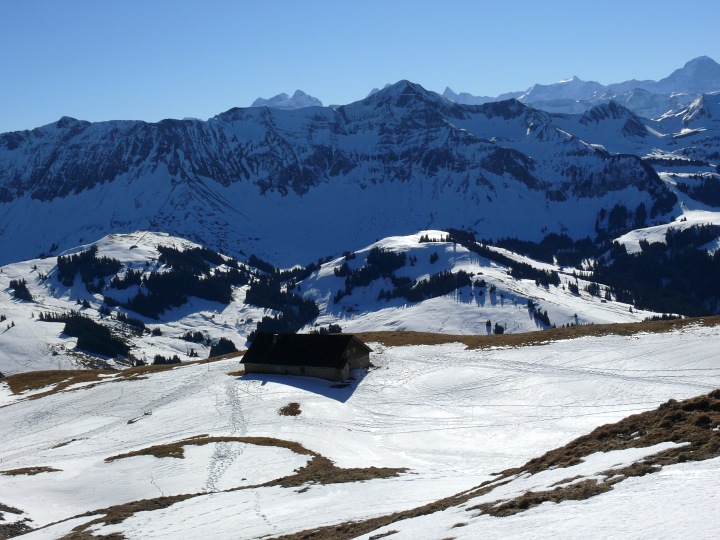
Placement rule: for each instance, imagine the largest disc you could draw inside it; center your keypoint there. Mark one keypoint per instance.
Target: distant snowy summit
(298, 100)
(650, 99)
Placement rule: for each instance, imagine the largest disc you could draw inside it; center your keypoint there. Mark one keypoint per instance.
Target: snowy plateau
(522, 268)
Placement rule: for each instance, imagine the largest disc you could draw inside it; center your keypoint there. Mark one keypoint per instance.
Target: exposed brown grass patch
(394, 339)
(119, 513)
(291, 409)
(8, 530)
(28, 471)
(227, 356)
(65, 443)
(60, 380)
(177, 450)
(690, 421)
(16, 528)
(576, 492)
(87, 535)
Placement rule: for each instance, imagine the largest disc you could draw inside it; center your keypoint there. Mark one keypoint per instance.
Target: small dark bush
(291, 409)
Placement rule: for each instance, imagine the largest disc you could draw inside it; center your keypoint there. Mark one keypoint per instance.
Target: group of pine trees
(88, 265)
(271, 290)
(20, 290)
(91, 336)
(677, 276)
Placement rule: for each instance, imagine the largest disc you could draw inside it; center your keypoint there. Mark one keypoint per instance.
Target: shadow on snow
(339, 391)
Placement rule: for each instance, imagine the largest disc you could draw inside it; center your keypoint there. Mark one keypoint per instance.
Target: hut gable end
(328, 356)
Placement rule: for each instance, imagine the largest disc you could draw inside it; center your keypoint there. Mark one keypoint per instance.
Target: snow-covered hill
(490, 293)
(201, 451)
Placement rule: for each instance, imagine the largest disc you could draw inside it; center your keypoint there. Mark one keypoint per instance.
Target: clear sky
(154, 59)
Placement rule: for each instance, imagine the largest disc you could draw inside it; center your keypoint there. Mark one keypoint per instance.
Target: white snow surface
(452, 416)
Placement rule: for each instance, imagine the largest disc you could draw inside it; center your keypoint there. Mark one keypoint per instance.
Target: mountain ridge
(403, 143)
(700, 75)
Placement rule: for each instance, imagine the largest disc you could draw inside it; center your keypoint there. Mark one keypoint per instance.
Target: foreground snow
(453, 417)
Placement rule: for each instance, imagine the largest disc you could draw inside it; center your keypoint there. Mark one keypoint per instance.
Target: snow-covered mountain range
(296, 184)
(650, 99)
(647, 98)
(317, 183)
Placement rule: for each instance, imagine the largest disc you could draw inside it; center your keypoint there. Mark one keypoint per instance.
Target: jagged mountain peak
(613, 111)
(465, 98)
(298, 100)
(573, 88)
(699, 75)
(409, 96)
(407, 88)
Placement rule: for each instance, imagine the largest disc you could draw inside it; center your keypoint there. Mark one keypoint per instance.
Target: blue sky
(154, 59)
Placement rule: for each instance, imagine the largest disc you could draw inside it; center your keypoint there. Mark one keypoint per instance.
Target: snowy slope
(465, 311)
(453, 417)
(31, 344)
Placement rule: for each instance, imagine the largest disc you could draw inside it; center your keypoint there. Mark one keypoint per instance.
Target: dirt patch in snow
(291, 409)
(177, 449)
(694, 421)
(395, 339)
(28, 471)
(59, 380)
(15, 528)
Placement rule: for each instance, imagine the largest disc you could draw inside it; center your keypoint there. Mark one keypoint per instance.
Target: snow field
(452, 416)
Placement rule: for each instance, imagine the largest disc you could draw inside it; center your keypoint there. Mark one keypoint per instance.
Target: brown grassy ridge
(400, 338)
(28, 471)
(62, 379)
(693, 421)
